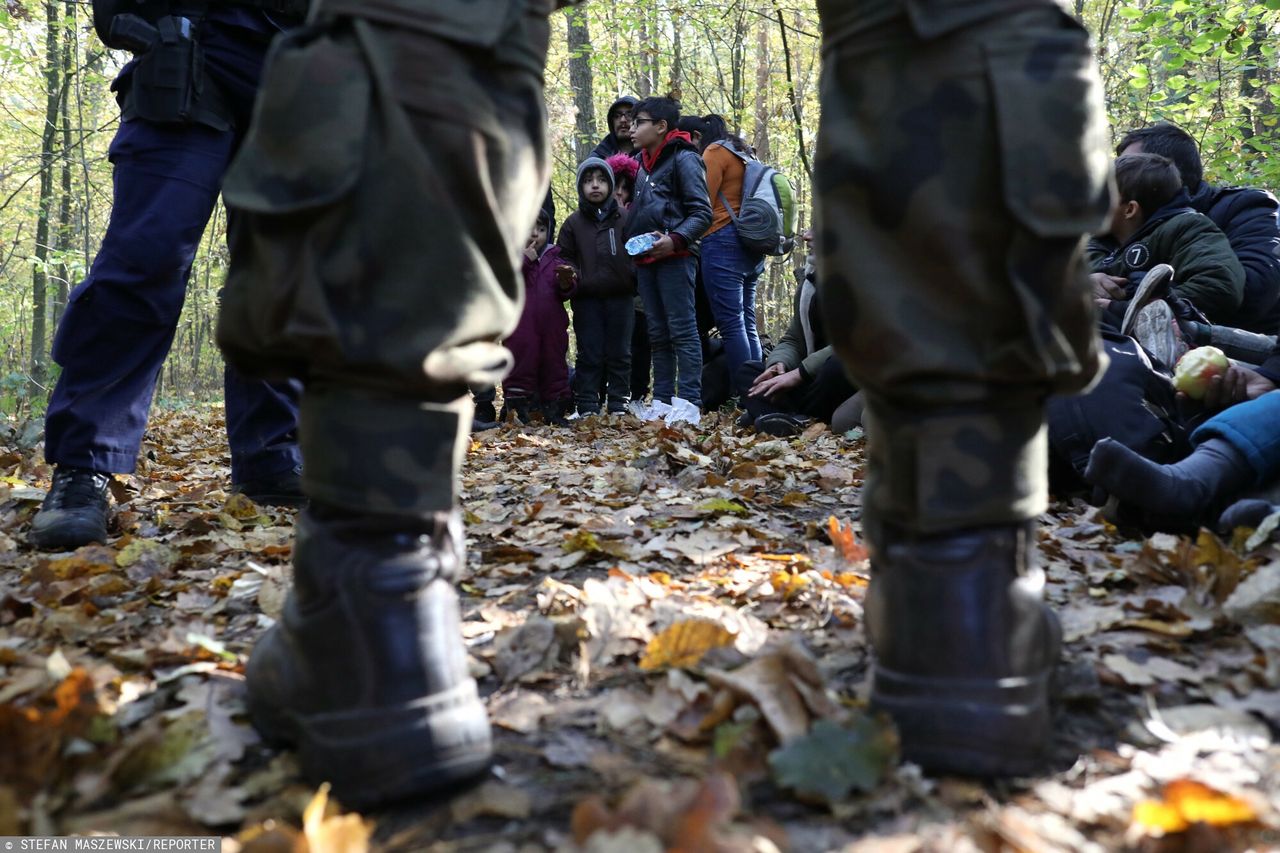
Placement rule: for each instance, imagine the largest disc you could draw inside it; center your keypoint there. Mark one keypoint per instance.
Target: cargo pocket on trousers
(289, 195)
(1053, 132)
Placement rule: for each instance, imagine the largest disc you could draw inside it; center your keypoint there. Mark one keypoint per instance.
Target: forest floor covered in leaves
(666, 624)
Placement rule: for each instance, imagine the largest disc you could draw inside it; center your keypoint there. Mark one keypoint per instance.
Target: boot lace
(74, 488)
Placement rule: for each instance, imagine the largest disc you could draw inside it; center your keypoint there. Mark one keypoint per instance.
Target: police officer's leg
(121, 320)
(956, 175)
(394, 309)
(262, 430)
(262, 417)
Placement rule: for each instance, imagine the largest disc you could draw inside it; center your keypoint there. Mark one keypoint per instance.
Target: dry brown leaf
(770, 682)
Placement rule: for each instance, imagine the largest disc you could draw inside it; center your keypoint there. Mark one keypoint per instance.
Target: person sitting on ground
(1235, 451)
(800, 382)
(1153, 225)
(1249, 217)
(591, 242)
(618, 139)
(539, 378)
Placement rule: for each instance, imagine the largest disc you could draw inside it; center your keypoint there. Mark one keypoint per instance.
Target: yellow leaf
(794, 499)
(241, 507)
(684, 644)
(148, 550)
(787, 583)
(348, 833)
(1186, 802)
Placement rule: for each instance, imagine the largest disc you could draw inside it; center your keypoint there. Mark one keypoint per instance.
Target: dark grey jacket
(672, 198)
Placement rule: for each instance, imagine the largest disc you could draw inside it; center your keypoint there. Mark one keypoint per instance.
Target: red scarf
(650, 162)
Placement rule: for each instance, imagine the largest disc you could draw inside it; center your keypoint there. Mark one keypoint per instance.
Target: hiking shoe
(1249, 513)
(485, 412)
(782, 424)
(74, 513)
(1157, 331)
(965, 649)
(1154, 285)
(366, 672)
(279, 490)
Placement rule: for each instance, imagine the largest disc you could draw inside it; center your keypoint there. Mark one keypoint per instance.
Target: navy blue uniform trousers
(121, 320)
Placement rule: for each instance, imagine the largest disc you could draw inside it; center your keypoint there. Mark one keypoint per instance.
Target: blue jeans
(120, 321)
(1253, 428)
(667, 291)
(729, 275)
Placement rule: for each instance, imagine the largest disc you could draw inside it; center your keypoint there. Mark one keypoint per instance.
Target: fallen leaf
(684, 644)
(525, 649)
(832, 760)
(330, 832)
(847, 545)
(492, 799)
(1186, 802)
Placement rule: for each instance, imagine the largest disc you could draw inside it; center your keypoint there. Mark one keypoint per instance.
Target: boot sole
(66, 537)
(374, 757)
(982, 728)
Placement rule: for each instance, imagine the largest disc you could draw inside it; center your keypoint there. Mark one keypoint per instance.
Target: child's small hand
(530, 253)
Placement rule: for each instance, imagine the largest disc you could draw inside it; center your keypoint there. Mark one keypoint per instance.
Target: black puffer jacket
(1249, 219)
(671, 198)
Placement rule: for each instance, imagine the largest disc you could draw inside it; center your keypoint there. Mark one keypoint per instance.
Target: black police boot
(366, 672)
(283, 489)
(965, 649)
(74, 512)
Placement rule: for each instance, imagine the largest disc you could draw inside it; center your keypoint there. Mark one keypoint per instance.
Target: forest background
(1209, 66)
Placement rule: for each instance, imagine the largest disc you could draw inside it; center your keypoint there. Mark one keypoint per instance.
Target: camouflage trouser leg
(387, 185)
(956, 177)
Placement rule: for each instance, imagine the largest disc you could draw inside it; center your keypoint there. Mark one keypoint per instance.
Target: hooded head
(595, 187)
(619, 108)
(625, 168)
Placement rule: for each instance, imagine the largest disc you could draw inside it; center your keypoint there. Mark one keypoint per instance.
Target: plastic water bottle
(640, 244)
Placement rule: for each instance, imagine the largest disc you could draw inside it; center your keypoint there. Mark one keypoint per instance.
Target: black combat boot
(284, 489)
(366, 672)
(74, 512)
(965, 649)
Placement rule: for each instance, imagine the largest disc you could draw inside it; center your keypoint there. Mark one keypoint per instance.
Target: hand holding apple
(1196, 370)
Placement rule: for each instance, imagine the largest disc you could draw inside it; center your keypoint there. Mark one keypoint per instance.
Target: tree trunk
(65, 231)
(737, 96)
(675, 88)
(580, 78)
(49, 132)
(761, 134)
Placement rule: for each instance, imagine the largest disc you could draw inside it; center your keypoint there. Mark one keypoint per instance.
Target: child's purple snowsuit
(540, 343)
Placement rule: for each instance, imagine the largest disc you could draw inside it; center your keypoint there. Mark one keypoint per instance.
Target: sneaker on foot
(1154, 285)
(782, 424)
(1157, 331)
(75, 511)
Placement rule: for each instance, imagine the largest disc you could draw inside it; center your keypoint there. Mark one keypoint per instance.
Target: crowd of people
(682, 310)
(1182, 263)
